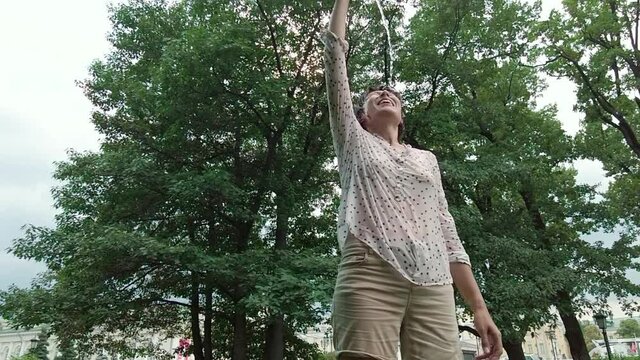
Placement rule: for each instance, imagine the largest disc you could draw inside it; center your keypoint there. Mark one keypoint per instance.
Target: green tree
(591, 332)
(66, 353)
(504, 166)
(199, 215)
(25, 357)
(629, 328)
(328, 356)
(594, 44)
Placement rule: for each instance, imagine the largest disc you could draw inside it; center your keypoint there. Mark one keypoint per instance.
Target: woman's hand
(489, 334)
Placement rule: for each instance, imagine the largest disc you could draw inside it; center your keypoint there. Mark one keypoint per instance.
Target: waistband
(354, 244)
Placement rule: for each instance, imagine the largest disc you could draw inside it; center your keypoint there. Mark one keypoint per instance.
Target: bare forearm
(467, 286)
(487, 329)
(338, 23)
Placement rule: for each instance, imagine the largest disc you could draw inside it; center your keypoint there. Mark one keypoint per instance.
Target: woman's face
(382, 102)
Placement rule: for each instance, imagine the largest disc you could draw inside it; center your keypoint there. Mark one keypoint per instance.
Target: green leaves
(628, 328)
(287, 279)
(599, 53)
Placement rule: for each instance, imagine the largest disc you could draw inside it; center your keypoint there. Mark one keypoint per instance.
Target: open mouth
(385, 101)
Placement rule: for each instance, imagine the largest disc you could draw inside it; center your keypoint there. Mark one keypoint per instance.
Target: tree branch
(305, 57)
(637, 21)
(552, 60)
(248, 102)
(171, 302)
(272, 34)
(138, 279)
(622, 126)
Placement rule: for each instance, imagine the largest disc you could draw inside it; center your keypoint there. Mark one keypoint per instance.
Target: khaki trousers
(375, 309)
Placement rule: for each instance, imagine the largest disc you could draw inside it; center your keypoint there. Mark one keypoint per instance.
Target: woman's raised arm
(344, 125)
(339, 18)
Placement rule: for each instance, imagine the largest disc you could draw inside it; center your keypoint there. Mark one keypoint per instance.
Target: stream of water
(390, 47)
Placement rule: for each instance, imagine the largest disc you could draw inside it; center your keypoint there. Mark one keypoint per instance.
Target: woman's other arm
(468, 288)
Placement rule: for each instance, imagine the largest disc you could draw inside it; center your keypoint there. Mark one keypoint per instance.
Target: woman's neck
(389, 134)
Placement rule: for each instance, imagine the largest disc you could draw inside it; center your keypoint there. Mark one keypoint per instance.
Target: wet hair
(360, 110)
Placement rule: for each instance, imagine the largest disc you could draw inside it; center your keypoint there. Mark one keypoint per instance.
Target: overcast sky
(46, 46)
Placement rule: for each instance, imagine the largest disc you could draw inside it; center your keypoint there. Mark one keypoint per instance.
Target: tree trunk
(239, 351)
(514, 349)
(240, 337)
(573, 331)
(562, 300)
(208, 320)
(195, 317)
(274, 344)
(208, 293)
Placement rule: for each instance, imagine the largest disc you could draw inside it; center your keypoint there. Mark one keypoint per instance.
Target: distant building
(19, 342)
(548, 343)
(16, 342)
(320, 335)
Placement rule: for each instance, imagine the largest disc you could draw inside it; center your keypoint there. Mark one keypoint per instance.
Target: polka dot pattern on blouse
(392, 199)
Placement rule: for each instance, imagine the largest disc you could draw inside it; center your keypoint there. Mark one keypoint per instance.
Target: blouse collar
(404, 147)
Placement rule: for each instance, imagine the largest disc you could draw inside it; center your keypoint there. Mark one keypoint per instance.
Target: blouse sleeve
(341, 116)
(455, 249)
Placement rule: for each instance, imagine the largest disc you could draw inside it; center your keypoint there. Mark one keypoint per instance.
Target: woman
(400, 249)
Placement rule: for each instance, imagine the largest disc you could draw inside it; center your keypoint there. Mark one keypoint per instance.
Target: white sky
(46, 46)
